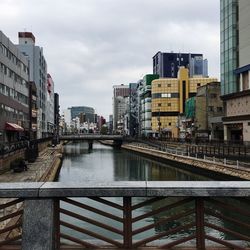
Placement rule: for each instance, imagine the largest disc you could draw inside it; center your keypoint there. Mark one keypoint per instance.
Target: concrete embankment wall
(197, 165)
(5, 160)
(54, 169)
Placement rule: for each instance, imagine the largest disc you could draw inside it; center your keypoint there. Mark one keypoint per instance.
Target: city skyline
(94, 45)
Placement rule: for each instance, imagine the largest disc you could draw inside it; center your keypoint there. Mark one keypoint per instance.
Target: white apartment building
(38, 74)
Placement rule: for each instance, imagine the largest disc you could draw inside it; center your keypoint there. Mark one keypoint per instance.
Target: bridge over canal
(117, 139)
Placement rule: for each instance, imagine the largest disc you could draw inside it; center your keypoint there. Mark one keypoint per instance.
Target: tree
(104, 130)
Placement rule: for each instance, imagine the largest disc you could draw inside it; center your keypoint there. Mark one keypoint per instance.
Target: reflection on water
(104, 163)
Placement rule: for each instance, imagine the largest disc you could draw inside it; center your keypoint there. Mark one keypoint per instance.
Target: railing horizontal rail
(106, 202)
(162, 221)
(230, 207)
(92, 209)
(162, 209)
(7, 229)
(10, 240)
(226, 218)
(94, 222)
(225, 230)
(10, 203)
(11, 215)
(147, 202)
(160, 235)
(80, 242)
(88, 232)
(224, 243)
(177, 242)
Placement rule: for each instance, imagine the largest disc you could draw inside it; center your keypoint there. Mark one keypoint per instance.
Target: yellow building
(168, 100)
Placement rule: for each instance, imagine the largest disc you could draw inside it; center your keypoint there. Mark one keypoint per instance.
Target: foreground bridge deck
(36, 216)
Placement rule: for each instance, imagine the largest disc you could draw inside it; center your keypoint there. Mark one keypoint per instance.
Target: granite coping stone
(123, 188)
(199, 188)
(108, 189)
(20, 189)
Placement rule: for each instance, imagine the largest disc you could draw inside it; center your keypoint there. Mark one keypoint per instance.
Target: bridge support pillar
(90, 145)
(40, 224)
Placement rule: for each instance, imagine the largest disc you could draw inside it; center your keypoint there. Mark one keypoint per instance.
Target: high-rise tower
(235, 67)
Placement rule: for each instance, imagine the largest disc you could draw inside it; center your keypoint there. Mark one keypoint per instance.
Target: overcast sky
(91, 45)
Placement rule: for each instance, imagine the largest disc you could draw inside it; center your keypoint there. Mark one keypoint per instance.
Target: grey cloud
(91, 45)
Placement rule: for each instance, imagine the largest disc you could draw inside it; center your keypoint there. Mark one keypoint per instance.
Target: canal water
(104, 163)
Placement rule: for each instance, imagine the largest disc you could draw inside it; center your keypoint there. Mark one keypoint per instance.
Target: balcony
(34, 113)
(200, 215)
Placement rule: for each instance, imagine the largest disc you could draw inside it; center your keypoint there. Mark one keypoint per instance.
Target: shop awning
(13, 127)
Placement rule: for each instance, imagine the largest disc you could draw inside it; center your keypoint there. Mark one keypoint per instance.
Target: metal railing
(127, 214)
(196, 154)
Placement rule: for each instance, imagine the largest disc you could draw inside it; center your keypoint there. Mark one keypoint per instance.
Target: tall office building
(50, 115)
(120, 106)
(38, 75)
(144, 92)
(133, 122)
(166, 65)
(235, 67)
(14, 92)
(88, 112)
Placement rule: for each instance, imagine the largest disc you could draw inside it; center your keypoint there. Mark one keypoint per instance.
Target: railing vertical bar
(127, 226)
(200, 228)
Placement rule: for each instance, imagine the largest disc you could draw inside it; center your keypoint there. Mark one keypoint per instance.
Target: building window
(159, 85)
(198, 84)
(219, 109)
(211, 108)
(169, 123)
(159, 104)
(164, 95)
(169, 104)
(169, 85)
(213, 95)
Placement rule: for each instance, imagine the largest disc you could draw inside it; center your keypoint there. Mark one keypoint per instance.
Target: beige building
(208, 112)
(168, 100)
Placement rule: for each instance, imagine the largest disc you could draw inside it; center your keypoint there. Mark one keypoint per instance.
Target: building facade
(120, 106)
(168, 100)
(166, 65)
(144, 92)
(56, 114)
(33, 111)
(14, 92)
(88, 112)
(133, 111)
(209, 112)
(235, 68)
(50, 109)
(38, 75)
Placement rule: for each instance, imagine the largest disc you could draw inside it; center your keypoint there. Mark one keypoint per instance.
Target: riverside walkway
(38, 170)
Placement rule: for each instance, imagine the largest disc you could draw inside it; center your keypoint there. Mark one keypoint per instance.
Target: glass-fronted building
(229, 43)
(235, 69)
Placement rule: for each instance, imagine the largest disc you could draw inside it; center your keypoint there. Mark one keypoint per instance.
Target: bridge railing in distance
(127, 214)
(91, 137)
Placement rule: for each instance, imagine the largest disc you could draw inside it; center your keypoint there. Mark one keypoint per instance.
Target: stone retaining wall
(229, 170)
(8, 158)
